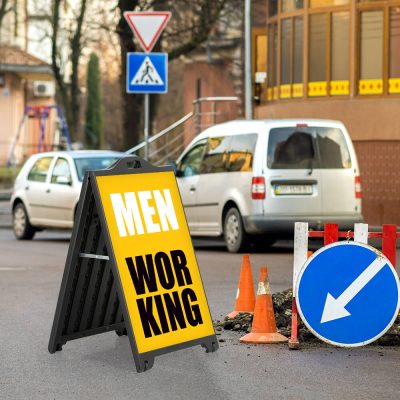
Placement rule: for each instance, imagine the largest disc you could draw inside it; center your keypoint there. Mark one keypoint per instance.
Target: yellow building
(340, 59)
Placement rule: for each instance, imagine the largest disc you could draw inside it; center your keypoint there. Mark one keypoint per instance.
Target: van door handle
(27, 187)
(48, 190)
(192, 189)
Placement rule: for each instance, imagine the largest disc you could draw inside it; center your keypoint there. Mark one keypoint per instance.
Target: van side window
(307, 147)
(333, 149)
(39, 170)
(190, 163)
(216, 156)
(242, 152)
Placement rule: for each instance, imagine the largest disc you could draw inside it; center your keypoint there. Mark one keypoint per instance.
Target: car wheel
(23, 230)
(235, 237)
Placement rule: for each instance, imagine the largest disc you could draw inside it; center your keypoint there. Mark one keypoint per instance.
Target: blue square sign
(147, 73)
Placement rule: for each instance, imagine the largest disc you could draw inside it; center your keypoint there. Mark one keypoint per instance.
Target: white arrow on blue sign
(348, 294)
(147, 73)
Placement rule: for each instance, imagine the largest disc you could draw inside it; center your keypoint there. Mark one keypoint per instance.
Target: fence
(169, 143)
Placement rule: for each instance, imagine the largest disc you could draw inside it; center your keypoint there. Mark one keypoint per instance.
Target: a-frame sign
(131, 266)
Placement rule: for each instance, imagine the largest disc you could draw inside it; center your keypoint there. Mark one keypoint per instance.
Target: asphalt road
(101, 367)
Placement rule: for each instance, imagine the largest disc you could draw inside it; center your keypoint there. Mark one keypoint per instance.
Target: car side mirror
(63, 180)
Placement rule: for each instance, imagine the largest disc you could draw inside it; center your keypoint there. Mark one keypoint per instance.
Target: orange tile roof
(15, 56)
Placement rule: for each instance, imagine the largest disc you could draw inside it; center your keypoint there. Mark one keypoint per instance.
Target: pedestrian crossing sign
(147, 73)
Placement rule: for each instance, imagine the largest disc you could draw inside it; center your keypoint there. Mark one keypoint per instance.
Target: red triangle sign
(147, 26)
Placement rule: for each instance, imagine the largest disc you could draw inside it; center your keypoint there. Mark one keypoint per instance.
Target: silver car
(47, 189)
(251, 180)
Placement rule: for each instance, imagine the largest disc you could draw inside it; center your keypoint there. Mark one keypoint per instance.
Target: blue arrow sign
(147, 73)
(348, 294)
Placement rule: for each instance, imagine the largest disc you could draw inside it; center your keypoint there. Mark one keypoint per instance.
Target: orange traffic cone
(245, 298)
(263, 329)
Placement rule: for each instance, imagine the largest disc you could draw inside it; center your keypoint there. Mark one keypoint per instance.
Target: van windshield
(307, 148)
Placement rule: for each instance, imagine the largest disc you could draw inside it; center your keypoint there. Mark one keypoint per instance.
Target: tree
(5, 8)
(94, 115)
(69, 94)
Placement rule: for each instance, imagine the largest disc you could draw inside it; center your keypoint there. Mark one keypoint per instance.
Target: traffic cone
(263, 329)
(245, 298)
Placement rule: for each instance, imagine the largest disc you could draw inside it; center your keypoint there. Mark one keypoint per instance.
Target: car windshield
(92, 164)
(307, 147)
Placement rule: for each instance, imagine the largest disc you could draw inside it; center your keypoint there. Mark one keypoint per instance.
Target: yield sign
(147, 26)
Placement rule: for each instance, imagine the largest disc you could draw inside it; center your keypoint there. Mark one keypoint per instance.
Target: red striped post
(389, 237)
(331, 233)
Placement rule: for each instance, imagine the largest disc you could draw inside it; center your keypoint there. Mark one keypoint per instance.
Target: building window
(339, 84)
(298, 58)
(292, 5)
(272, 78)
(272, 7)
(371, 53)
(291, 65)
(286, 35)
(317, 71)
(394, 50)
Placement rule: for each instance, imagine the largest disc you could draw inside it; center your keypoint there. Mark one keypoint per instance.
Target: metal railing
(167, 144)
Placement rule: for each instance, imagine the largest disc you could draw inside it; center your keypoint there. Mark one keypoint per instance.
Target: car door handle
(48, 190)
(192, 189)
(26, 187)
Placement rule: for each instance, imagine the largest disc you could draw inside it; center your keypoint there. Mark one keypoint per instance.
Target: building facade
(25, 80)
(340, 59)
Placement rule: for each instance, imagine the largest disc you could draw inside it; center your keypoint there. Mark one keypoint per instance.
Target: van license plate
(293, 189)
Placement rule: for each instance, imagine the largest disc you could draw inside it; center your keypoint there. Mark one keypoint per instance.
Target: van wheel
(23, 230)
(235, 237)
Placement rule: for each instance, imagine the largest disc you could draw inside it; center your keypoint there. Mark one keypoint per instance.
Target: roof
(14, 59)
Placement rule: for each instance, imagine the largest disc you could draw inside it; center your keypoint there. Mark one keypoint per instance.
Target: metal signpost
(348, 294)
(147, 72)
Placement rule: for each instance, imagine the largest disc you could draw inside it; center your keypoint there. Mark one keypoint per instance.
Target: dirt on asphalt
(282, 302)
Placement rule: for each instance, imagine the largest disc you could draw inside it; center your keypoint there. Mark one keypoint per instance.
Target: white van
(250, 181)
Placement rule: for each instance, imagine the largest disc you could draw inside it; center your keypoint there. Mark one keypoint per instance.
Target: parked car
(250, 181)
(46, 191)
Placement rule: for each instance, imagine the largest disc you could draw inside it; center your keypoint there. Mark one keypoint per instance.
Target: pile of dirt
(283, 315)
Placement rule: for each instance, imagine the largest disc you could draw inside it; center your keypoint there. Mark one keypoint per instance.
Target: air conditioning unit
(44, 89)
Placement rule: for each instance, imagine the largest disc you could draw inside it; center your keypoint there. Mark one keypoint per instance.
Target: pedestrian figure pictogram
(147, 73)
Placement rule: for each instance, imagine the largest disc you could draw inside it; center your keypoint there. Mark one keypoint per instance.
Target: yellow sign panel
(155, 259)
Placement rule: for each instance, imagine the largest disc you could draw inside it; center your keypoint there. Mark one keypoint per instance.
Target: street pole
(146, 125)
(247, 78)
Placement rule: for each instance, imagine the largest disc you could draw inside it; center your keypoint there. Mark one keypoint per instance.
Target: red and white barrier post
(331, 234)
